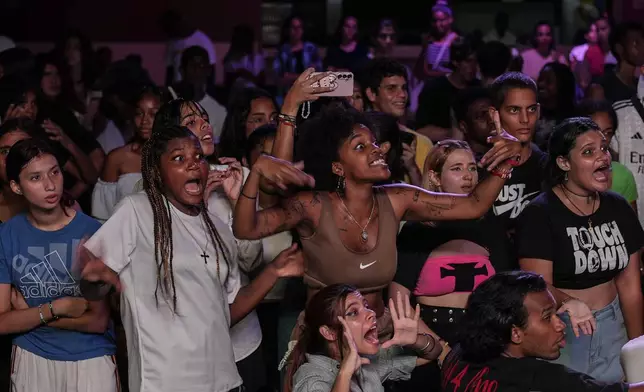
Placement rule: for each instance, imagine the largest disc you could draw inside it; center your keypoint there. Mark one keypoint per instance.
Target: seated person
(510, 324)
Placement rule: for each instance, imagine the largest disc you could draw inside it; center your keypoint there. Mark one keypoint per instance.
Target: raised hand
(282, 173)
(95, 275)
(581, 317)
(505, 147)
(56, 133)
(302, 89)
(232, 184)
(405, 320)
(352, 361)
(289, 262)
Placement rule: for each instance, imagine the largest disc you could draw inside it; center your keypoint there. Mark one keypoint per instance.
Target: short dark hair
(494, 59)
(562, 141)
(509, 81)
(618, 35)
(493, 308)
(379, 69)
(460, 50)
(466, 98)
(589, 107)
(24, 124)
(258, 136)
(192, 52)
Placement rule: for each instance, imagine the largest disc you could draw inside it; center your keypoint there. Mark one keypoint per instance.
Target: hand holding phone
(341, 83)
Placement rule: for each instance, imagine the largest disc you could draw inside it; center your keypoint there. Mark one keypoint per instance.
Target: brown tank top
(329, 261)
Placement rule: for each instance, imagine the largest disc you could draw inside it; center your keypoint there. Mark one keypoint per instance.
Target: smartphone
(341, 82)
(214, 167)
(407, 138)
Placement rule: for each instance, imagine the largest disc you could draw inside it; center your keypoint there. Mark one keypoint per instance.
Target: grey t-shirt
(319, 372)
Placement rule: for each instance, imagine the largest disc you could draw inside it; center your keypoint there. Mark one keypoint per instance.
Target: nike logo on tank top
(328, 261)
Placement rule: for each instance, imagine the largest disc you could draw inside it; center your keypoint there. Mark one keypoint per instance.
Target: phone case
(341, 81)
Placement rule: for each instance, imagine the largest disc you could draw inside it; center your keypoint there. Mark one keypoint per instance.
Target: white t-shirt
(578, 53)
(216, 114)
(247, 333)
(186, 351)
(176, 47)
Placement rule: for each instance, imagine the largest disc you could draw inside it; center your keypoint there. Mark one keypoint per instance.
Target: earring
(342, 183)
(565, 176)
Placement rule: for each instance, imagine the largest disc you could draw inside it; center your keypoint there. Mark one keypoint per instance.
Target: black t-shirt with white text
(517, 375)
(524, 185)
(583, 255)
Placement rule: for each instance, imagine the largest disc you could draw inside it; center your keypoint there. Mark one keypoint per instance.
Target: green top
(624, 182)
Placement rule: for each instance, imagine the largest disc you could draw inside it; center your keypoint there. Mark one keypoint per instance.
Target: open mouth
(193, 187)
(207, 138)
(371, 336)
(467, 188)
(562, 342)
(602, 173)
(378, 162)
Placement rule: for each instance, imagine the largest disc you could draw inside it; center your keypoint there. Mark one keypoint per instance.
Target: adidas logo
(637, 136)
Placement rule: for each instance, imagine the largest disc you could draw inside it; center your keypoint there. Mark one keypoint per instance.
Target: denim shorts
(597, 355)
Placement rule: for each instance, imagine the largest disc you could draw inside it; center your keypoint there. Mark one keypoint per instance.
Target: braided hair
(154, 187)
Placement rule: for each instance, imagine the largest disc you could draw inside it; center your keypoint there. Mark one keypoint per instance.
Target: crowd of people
(468, 224)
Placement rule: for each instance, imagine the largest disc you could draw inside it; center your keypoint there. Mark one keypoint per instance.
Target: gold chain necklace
(364, 235)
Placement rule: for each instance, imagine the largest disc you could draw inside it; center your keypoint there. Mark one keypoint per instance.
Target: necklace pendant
(590, 224)
(364, 236)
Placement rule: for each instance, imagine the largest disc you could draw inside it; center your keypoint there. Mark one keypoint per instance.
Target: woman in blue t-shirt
(585, 240)
(61, 341)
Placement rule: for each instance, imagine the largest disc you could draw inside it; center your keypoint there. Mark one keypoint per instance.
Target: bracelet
(430, 340)
(53, 315)
(246, 196)
(287, 117)
(501, 173)
(287, 123)
(42, 318)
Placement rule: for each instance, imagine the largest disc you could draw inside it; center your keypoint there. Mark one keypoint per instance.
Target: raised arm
(414, 203)
(250, 224)
(301, 91)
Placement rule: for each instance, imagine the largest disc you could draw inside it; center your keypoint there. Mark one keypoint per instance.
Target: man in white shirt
(195, 72)
(182, 37)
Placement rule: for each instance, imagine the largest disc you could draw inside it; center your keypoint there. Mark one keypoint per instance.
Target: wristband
(286, 117)
(502, 173)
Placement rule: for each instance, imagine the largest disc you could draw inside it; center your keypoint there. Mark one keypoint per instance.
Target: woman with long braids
(61, 341)
(122, 168)
(348, 226)
(173, 261)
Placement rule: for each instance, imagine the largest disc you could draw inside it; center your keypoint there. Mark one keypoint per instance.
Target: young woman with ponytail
(174, 262)
(339, 350)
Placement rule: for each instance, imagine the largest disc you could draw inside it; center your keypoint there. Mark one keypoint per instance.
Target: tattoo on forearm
(416, 195)
(436, 205)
